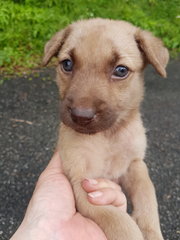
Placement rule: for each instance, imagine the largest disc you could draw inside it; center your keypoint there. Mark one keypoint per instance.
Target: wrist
(31, 231)
(41, 229)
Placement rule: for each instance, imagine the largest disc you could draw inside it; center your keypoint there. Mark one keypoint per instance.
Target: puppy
(100, 78)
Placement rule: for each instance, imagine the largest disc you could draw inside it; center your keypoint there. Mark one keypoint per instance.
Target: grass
(25, 25)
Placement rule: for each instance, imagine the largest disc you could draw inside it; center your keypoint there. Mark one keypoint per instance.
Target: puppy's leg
(142, 194)
(117, 225)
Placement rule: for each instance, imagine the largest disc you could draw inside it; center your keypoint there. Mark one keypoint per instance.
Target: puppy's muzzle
(87, 116)
(82, 116)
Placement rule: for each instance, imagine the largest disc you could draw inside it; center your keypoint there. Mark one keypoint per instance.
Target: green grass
(25, 25)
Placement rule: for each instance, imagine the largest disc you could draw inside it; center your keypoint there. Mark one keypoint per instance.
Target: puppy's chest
(113, 157)
(117, 161)
(100, 156)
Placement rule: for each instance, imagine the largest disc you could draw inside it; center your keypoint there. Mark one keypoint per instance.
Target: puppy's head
(100, 71)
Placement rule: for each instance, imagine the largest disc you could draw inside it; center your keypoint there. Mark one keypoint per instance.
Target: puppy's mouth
(87, 121)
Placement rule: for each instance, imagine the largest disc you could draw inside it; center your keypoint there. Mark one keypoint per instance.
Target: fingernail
(92, 181)
(95, 194)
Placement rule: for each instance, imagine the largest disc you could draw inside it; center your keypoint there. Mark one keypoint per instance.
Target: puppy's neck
(133, 116)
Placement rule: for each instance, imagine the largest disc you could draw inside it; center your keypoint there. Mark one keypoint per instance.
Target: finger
(108, 196)
(90, 185)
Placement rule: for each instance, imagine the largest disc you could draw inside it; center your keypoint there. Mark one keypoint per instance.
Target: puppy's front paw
(149, 228)
(152, 235)
(116, 224)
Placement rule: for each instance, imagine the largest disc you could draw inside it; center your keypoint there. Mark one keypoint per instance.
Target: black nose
(82, 116)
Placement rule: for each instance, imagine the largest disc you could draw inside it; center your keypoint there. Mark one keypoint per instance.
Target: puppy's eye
(67, 65)
(121, 72)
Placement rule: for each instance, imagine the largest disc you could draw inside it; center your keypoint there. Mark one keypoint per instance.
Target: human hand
(51, 213)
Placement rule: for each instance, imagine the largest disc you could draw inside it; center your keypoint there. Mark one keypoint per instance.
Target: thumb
(53, 192)
(54, 166)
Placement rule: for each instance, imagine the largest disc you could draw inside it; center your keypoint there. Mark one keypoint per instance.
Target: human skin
(51, 213)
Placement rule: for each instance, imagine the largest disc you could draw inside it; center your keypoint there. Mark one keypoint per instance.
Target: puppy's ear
(53, 46)
(154, 50)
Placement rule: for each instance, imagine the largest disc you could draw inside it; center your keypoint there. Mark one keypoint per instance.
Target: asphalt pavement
(29, 119)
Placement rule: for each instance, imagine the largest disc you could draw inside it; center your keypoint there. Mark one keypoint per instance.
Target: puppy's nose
(82, 116)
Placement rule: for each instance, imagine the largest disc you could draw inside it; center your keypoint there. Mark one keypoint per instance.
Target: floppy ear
(154, 50)
(53, 46)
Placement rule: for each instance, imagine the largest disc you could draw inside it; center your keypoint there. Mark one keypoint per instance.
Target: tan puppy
(100, 77)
